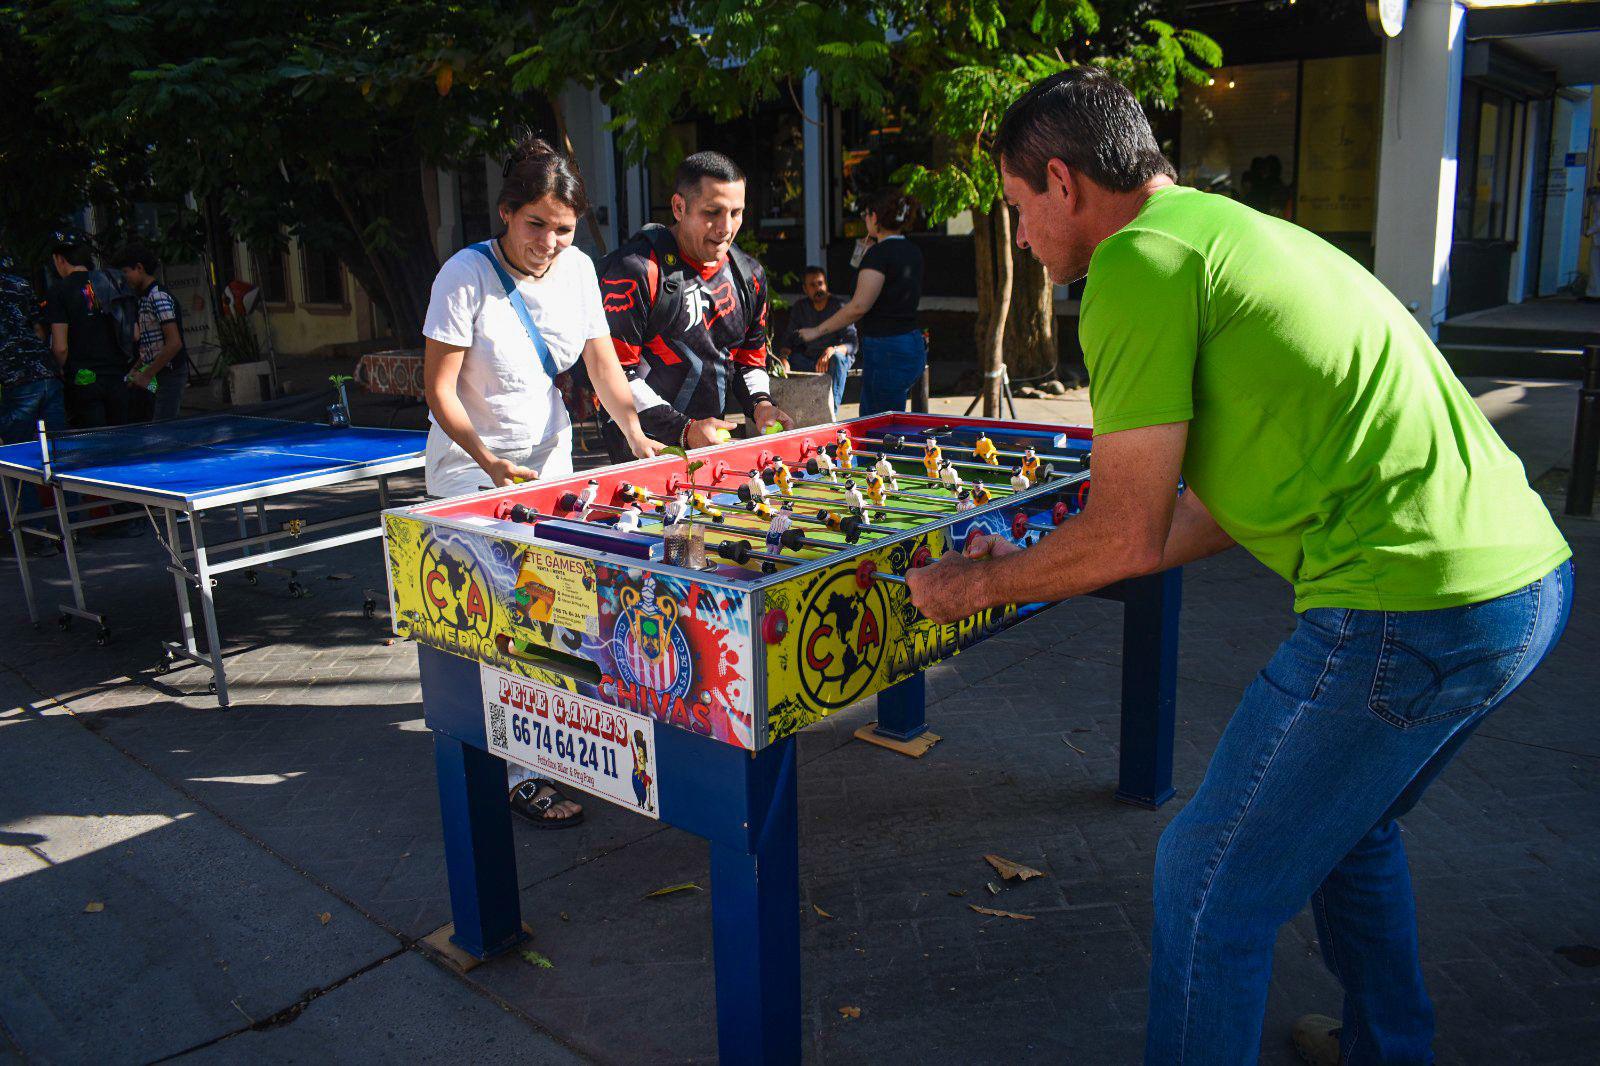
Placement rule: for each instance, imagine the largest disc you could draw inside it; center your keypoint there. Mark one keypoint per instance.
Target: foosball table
(655, 633)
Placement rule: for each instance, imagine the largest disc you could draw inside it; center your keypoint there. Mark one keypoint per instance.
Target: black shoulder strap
(744, 272)
(669, 290)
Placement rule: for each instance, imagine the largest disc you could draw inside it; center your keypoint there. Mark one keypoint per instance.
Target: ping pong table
(184, 469)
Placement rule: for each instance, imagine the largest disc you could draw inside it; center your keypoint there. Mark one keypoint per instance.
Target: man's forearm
(169, 352)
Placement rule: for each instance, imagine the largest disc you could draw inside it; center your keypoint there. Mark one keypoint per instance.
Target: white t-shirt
(512, 403)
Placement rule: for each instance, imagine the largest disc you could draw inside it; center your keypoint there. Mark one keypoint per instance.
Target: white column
(815, 177)
(1417, 165)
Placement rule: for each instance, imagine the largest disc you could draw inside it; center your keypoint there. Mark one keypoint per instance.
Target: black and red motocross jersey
(688, 337)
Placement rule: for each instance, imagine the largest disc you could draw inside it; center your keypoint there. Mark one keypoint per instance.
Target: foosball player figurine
(677, 509)
(777, 525)
(931, 456)
(964, 501)
(949, 475)
(628, 518)
(985, 450)
(877, 491)
(780, 476)
(823, 464)
(1019, 480)
(756, 485)
(885, 469)
(980, 494)
(844, 449)
(853, 498)
(705, 506)
(1030, 466)
(586, 497)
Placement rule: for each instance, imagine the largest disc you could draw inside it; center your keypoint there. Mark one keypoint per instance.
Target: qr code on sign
(497, 726)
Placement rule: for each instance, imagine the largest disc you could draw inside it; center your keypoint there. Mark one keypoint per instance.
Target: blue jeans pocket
(1434, 665)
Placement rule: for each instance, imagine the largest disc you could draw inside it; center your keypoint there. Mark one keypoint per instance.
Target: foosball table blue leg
(1149, 686)
(479, 854)
(755, 918)
(903, 709)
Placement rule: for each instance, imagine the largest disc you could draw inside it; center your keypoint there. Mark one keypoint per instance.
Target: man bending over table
(1314, 423)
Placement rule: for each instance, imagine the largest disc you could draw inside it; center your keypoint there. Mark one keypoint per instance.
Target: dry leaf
(1073, 746)
(958, 892)
(821, 913)
(850, 1012)
(1001, 914)
(564, 917)
(994, 889)
(93, 908)
(324, 917)
(687, 886)
(1008, 869)
(443, 78)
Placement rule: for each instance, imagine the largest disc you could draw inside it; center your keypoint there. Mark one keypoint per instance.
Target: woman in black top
(884, 307)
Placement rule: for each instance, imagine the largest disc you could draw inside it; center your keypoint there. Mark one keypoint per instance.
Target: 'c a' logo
(453, 590)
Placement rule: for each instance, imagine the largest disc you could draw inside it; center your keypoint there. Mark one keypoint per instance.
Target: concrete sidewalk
(266, 872)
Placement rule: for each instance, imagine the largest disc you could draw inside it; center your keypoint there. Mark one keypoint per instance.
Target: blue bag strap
(521, 307)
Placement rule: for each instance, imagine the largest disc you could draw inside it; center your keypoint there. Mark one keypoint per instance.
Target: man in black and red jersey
(688, 314)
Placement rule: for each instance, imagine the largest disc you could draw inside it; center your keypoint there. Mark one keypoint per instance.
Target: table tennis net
(97, 446)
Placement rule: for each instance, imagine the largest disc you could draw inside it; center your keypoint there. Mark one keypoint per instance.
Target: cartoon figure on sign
(534, 599)
(651, 647)
(641, 772)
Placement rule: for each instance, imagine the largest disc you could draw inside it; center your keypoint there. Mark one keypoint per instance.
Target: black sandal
(525, 800)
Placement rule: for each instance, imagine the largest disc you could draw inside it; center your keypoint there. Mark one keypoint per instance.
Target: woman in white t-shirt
(496, 414)
(490, 376)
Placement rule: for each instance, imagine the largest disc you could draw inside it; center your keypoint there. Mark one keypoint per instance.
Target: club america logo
(651, 649)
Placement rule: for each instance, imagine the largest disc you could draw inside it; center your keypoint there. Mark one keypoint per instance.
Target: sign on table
(572, 739)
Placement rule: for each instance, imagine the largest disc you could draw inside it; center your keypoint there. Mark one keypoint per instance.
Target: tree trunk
(991, 244)
(398, 264)
(1031, 326)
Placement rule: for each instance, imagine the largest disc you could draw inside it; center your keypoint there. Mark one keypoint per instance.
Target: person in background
(884, 307)
(162, 358)
(30, 378)
(84, 342)
(829, 354)
(504, 318)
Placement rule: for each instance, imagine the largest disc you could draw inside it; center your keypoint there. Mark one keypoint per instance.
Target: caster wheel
(65, 622)
(168, 661)
(369, 608)
(296, 590)
(211, 686)
(250, 576)
(103, 637)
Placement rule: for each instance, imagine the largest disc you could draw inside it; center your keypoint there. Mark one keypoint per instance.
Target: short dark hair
(813, 269)
(1088, 120)
(138, 255)
(534, 170)
(893, 209)
(75, 252)
(713, 165)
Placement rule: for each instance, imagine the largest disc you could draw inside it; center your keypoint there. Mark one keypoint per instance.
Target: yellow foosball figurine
(1030, 466)
(844, 449)
(980, 494)
(877, 492)
(780, 476)
(985, 450)
(931, 457)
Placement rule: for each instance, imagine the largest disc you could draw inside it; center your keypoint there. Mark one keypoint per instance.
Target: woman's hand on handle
(505, 472)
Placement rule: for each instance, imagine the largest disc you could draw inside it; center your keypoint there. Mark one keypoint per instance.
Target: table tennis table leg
(12, 489)
(70, 547)
(208, 608)
(179, 581)
(383, 492)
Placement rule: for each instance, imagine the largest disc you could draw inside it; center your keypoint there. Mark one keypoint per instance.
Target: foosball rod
(744, 494)
(815, 468)
(1046, 470)
(851, 535)
(902, 493)
(897, 440)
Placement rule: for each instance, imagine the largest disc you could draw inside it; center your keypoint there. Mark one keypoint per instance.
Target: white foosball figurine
(885, 469)
(826, 465)
(948, 475)
(1019, 481)
(852, 496)
(628, 519)
(964, 501)
(778, 525)
(676, 510)
(587, 495)
(757, 487)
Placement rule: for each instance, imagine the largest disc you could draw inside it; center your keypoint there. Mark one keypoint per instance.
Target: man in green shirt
(1316, 425)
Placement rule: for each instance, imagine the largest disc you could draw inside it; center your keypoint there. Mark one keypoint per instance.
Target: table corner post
(1149, 686)
(903, 709)
(480, 855)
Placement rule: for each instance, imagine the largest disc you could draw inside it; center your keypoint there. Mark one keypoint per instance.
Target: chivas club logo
(651, 649)
(841, 639)
(453, 589)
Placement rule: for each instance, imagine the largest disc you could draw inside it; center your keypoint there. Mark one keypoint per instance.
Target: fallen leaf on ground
(389, 642)
(1008, 869)
(93, 908)
(687, 886)
(850, 1012)
(821, 913)
(958, 892)
(1001, 914)
(564, 917)
(1073, 746)
(324, 917)
(533, 957)
(994, 889)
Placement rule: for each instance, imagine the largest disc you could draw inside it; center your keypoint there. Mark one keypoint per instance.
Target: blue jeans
(838, 370)
(1337, 737)
(890, 366)
(22, 406)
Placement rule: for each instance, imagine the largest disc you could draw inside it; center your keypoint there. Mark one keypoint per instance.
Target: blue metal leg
(755, 918)
(1149, 686)
(478, 848)
(903, 709)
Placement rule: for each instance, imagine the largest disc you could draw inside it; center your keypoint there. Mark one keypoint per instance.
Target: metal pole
(1586, 437)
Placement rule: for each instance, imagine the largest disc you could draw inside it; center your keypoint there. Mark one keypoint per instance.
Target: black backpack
(121, 305)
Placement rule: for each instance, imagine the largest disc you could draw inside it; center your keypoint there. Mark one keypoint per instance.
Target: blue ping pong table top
(212, 455)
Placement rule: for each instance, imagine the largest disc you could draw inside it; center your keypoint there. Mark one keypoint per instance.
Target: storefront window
(1492, 133)
(1238, 135)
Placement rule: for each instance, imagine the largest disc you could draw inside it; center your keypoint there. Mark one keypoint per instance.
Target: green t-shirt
(1327, 434)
